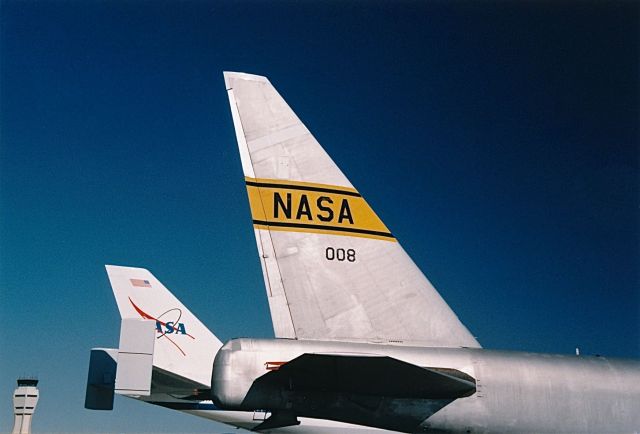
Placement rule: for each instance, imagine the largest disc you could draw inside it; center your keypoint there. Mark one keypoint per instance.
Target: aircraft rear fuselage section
(523, 392)
(528, 392)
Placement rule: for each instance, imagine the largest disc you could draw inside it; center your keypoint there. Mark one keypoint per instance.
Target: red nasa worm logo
(164, 327)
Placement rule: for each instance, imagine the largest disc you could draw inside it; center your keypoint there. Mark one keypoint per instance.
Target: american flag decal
(140, 282)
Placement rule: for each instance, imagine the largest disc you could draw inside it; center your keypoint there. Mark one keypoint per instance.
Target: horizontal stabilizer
(364, 375)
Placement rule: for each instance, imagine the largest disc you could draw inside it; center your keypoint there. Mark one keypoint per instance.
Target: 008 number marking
(333, 254)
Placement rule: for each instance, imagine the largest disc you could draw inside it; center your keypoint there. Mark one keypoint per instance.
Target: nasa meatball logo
(168, 325)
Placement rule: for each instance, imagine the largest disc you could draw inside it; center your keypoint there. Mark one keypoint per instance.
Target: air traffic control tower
(25, 399)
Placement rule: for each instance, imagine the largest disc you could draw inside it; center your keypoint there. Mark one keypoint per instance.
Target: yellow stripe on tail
(308, 207)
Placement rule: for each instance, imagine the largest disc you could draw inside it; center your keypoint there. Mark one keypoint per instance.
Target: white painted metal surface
(374, 291)
(135, 357)
(183, 345)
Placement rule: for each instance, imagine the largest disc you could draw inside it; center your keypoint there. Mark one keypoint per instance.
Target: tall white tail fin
(184, 346)
(331, 267)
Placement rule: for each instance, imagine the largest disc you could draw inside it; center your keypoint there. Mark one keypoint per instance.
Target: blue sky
(498, 141)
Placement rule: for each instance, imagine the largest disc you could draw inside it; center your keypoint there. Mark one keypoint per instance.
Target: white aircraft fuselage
(514, 391)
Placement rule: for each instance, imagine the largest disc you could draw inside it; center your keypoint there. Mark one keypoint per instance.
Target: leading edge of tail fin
(332, 269)
(184, 346)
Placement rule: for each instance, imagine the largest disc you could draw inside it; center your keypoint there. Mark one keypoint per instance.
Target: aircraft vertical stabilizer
(183, 345)
(332, 269)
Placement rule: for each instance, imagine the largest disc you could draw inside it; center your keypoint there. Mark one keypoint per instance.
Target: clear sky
(498, 141)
